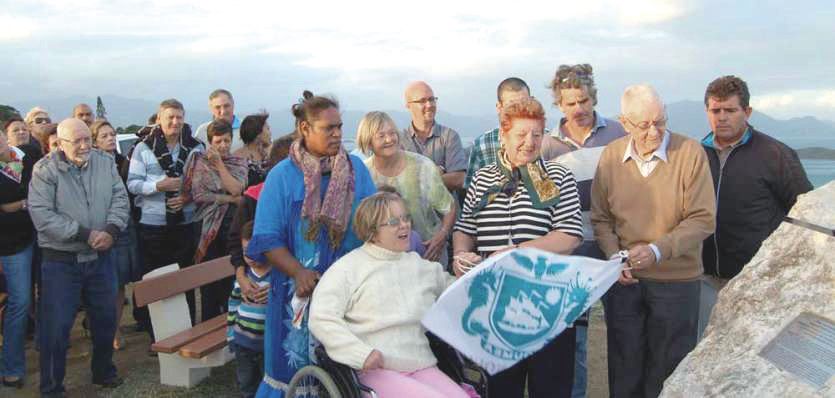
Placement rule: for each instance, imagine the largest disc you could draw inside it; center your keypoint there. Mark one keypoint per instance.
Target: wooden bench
(186, 352)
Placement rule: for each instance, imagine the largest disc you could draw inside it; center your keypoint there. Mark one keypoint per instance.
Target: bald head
(416, 87)
(638, 98)
(75, 140)
(68, 128)
(421, 103)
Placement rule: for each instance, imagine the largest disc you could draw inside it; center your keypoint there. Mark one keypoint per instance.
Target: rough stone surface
(791, 273)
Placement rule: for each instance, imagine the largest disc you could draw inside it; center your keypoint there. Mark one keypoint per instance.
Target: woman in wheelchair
(366, 309)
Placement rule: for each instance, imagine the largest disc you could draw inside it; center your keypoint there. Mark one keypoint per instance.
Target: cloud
(364, 51)
(784, 104)
(15, 28)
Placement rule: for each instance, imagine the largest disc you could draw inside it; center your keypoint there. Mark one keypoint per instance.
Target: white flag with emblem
(511, 305)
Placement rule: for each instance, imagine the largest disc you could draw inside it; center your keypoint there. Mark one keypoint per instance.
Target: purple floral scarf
(335, 210)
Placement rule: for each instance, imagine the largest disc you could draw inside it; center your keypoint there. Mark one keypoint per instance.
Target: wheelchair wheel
(312, 381)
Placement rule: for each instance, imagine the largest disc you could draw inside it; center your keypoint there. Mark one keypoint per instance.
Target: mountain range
(685, 116)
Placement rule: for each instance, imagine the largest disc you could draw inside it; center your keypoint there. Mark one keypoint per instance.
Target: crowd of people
(375, 241)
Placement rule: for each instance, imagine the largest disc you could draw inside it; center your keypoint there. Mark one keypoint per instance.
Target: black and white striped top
(514, 220)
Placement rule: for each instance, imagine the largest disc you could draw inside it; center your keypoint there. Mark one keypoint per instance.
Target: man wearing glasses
(79, 206)
(431, 139)
(652, 196)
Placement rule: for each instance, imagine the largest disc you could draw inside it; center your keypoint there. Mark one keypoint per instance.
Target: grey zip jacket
(67, 202)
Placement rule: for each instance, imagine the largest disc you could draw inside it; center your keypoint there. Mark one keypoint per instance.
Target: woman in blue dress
(302, 225)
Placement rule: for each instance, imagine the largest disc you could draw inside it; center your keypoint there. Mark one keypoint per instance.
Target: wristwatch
(25, 205)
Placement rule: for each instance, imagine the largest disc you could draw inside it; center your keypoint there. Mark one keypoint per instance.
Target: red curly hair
(527, 108)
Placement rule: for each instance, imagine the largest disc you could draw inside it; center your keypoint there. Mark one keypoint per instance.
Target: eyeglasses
(79, 141)
(395, 221)
(42, 120)
(660, 124)
(424, 101)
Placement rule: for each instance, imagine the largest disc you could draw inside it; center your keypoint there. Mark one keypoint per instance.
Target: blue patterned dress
(278, 223)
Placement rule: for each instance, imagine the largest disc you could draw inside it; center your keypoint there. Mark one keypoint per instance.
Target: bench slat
(171, 284)
(177, 341)
(205, 345)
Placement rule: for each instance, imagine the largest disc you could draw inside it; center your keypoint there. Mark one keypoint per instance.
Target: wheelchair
(330, 379)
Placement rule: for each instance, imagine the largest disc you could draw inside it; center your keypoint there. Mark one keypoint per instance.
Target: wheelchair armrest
(342, 372)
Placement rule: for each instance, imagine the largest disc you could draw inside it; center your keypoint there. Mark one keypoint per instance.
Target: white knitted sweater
(373, 298)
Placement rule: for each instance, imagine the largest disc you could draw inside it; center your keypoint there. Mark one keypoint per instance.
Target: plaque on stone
(805, 348)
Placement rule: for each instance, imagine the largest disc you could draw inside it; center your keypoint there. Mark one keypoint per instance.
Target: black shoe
(112, 382)
(16, 384)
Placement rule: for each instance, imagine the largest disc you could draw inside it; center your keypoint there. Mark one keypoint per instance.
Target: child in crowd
(245, 331)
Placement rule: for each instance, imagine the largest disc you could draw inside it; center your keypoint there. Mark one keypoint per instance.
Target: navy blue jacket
(755, 190)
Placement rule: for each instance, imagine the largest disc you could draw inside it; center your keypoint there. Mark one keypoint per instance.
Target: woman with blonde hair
(367, 308)
(416, 179)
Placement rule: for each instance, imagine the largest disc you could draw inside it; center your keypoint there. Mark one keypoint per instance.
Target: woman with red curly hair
(523, 201)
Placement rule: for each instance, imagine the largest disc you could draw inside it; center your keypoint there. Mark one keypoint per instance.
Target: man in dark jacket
(756, 178)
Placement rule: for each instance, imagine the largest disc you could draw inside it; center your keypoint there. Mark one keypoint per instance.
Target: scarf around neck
(155, 140)
(542, 190)
(201, 179)
(335, 210)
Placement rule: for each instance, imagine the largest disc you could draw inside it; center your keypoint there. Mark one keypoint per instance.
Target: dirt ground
(141, 372)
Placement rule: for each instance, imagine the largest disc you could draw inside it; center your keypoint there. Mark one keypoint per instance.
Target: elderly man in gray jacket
(79, 205)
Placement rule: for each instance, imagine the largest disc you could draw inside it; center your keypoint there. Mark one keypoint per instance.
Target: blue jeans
(63, 284)
(588, 248)
(17, 269)
(250, 369)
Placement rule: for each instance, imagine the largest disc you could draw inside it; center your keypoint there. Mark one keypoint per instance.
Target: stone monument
(792, 273)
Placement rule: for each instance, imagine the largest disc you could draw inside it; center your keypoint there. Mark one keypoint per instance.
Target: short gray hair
(218, 92)
(638, 95)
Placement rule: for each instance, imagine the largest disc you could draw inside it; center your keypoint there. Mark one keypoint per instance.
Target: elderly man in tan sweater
(653, 196)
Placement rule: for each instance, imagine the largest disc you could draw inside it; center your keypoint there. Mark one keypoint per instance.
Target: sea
(819, 171)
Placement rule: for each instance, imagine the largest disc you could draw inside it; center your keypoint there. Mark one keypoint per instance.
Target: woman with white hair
(367, 308)
(416, 179)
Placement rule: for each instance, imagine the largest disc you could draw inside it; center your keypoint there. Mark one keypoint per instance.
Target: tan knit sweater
(673, 207)
(373, 298)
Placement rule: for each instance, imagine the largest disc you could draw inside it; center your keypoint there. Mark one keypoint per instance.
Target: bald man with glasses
(79, 206)
(431, 139)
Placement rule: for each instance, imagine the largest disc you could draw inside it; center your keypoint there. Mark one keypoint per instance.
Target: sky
(365, 52)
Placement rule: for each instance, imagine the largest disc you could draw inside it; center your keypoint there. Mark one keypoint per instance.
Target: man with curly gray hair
(580, 138)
